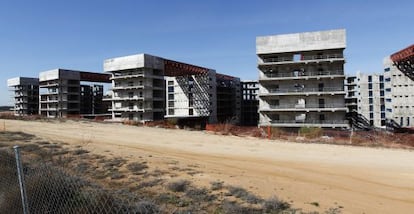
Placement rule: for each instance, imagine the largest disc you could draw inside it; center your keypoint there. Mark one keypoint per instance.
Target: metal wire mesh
(52, 189)
(10, 200)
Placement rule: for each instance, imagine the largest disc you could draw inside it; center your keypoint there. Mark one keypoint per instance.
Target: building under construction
(147, 88)
(63, 94)
(25, 94)
(249, 103)
(301, 79)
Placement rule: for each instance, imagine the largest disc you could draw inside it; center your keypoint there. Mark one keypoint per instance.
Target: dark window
(321, 117)
(388, 79)
(371, 100)
(387, 69)
(381, 78)
(276, 117)
(170, 89)
(382, 93)
(369, 85)
(171, 111)
(371, 108)
(170, 82)
(321, 103)
(370, 93)
(190, 103)
(382, 107)
(371, 115)
(170, 103)
(320, 86)
(171, 96)
(382, 85)
(190, 112)
(370, 78)
(130, 94)
(382, 115)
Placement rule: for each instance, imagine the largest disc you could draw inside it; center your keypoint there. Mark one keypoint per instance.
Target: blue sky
(79, 34)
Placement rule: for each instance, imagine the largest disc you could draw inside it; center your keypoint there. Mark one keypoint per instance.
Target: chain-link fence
(49, 188)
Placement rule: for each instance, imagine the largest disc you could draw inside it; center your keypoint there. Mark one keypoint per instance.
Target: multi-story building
(138, 87)
(193, 93)
(62, 95)
(250, 103)
(301, 79)
(399, 96)
(228, 99)
(26, 95)
(371, 98)
(351, 97)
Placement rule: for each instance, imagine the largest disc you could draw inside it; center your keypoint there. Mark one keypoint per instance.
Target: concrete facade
(138, 87)
(192, 96)
(301, 79)
(26, 95)
(61, 94)
(371, 98)
(147, 88)
(351, 97)
(399, 96)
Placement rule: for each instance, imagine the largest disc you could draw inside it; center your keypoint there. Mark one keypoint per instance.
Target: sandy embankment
(361, 180)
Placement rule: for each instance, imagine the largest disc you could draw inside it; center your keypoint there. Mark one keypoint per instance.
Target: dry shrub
(310, 132)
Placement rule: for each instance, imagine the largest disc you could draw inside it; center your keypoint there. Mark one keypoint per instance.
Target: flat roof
(298, 42)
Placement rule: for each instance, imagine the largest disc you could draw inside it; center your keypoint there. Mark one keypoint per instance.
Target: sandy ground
(361, 180)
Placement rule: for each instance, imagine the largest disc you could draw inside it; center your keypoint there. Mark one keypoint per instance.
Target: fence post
(20, 176)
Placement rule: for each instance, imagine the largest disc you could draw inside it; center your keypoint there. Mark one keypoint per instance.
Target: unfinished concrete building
(228, 99)
(301, 79)
(193, 94)
(138, 87)
(371, 98)
(399, 96)
(26, 95)
(250, 103)
(62, 94)
(351, 97)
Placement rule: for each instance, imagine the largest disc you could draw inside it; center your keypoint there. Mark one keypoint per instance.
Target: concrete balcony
(131, 87)
(128, 76)
(303, 59)
(303, 91)
(304, 108)
(129, 109)
(309, 123)
(125, 98)
(47, 85)
(302, 75)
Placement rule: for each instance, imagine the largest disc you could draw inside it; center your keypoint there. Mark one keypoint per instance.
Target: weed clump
(178, 186)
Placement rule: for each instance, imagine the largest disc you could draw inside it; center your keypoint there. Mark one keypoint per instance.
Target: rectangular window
(371, 115)
(170, 103)
(369, 85)
(190, 103)
(370, 93)
(382, 85)
(370, 78)
(382, 93)
(371, 100)
(371, 108)
(171, 111)
(321, 103)
(388, 89)
(322, 117)
(408, 121)
(381, 78)
(386, 69)
(170, 89)
(320, 86)
(190, 112)
(170, 82)
(170, 96)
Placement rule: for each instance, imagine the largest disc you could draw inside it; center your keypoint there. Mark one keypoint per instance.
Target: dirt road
(359, 180)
